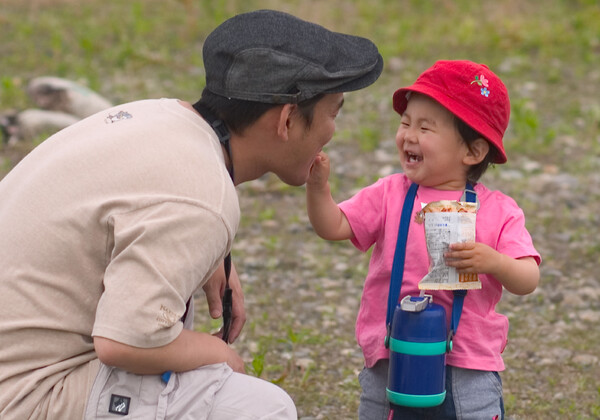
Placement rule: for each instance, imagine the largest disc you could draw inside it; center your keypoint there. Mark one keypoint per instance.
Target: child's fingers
(456, 253)
(462, 246)
(322, 158)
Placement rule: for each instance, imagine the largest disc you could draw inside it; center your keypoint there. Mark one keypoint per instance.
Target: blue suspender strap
(457, 306)
(399, 255)
(398, 264)
(459, 295)
(470, 194)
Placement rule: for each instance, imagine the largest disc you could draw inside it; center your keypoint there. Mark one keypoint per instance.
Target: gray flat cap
(273, 57)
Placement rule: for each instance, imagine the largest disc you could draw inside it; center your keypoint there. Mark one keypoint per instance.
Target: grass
(548, 54)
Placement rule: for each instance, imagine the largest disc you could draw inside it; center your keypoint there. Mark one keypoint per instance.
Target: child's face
(432, 152)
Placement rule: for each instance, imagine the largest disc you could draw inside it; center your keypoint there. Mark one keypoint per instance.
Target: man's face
(305, 141)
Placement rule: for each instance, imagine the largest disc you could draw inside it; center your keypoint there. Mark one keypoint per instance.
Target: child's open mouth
(412, 158)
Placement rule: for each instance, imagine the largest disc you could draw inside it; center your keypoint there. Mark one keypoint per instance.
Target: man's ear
(286, 119)
(477, 151)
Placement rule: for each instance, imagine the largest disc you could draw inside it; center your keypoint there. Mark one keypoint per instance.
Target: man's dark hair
(238, 114)
(469, 136)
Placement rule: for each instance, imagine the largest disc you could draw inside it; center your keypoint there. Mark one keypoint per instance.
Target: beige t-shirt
(107, 228)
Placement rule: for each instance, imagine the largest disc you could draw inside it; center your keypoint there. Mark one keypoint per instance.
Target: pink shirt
(374, 215)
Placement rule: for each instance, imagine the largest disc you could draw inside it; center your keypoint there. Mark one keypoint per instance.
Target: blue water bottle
(417, 372)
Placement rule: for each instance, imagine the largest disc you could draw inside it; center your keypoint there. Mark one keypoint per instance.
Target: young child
(453, 120)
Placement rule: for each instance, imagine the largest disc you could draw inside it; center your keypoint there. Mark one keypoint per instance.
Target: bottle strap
(399, 258)
(457, 306)
(469, 196)
(399, 255)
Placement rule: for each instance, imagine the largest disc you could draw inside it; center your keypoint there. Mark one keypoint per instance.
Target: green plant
(257, 365)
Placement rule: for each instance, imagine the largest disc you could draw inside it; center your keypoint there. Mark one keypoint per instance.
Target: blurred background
(302, 293)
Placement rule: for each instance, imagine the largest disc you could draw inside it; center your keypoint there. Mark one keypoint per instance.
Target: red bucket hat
(470, 91)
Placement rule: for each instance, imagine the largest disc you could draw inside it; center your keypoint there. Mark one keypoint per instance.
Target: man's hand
(214, 288)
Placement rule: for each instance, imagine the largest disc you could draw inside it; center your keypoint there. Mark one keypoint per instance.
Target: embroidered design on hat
(482, 81)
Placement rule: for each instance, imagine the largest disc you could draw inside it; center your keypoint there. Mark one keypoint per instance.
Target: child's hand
(319, 171)
(519, 276)
(472, 257)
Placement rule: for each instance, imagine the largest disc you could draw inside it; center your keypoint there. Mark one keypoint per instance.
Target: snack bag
(447, 222)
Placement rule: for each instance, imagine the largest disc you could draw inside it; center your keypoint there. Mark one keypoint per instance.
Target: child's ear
(477, 151)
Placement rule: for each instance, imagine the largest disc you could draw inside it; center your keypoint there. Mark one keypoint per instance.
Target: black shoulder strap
(219, 128)
(224, 136)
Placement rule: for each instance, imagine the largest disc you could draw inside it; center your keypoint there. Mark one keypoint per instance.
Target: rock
(31, 123)
(590, 315)
(57, 94)
(585, 359)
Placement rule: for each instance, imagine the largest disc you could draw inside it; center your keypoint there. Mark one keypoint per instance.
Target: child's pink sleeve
(365, 215)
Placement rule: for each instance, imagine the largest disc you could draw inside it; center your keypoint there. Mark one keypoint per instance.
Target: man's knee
(286, 408)
(275, 402)
(247, 395)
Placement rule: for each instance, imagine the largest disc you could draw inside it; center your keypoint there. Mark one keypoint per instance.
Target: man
(109, 227)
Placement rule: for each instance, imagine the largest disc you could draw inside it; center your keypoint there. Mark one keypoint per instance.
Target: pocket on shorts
(494, 378)
(119, 394)
(477, 394)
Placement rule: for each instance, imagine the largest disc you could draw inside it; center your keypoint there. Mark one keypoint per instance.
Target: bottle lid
(415, 303)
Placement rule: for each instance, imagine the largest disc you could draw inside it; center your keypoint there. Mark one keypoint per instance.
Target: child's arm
(519, 276)
(325, 216)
